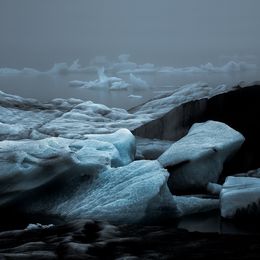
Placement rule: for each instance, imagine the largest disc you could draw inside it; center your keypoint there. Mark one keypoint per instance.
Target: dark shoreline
(89, 239)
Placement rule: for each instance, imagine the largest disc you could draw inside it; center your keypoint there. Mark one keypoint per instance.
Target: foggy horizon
(38, 34)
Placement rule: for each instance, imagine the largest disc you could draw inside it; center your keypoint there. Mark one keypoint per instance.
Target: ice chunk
(28, 164)
(240, 197)
(135, 96)
(124, 142)
(38, 226)
(103, 82)
(198, 158)
(126, 194)
(187, 205)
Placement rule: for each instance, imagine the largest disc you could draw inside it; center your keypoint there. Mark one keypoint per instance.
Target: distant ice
(135, 96)
(137, 82)
(103, 82)
(229, 67)
(123, 65)
(112, 83)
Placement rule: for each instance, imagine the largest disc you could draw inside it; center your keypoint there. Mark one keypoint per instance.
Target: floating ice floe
(197, 159)
(240, 197)
(135, 96)
(103, 82)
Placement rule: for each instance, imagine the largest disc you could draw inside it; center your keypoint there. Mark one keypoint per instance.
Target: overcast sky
(37, 33)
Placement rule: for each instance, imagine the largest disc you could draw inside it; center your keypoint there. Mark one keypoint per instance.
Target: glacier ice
(30, 164)
(197, 159)
(74, 118)
(240, 196)
(125, 194)
(78, 146)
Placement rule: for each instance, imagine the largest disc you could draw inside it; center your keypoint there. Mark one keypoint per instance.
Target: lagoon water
(45, 87)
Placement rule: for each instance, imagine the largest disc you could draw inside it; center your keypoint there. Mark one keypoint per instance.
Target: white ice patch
(38, 226)
(135, 96)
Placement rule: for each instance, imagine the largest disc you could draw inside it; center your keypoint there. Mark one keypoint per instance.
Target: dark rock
(238, 108)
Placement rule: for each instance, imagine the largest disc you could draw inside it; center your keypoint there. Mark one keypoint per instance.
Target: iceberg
(197, 159)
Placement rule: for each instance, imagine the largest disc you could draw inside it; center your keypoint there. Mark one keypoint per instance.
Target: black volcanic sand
(89, 239)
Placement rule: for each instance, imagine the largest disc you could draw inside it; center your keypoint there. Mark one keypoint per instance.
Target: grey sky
(37, 33)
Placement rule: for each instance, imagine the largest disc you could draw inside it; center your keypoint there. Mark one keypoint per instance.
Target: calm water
(47, 87)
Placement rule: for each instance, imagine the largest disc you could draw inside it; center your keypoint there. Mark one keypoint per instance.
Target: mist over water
(37, 34)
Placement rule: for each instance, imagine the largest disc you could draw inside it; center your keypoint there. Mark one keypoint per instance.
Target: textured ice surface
(240, 196)
(73, 118)
(30, 164)
(198, 158)
(80, 148)
(191, 205)
(124, 194)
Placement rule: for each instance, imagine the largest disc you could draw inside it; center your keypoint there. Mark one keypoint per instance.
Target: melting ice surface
(121, 83)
